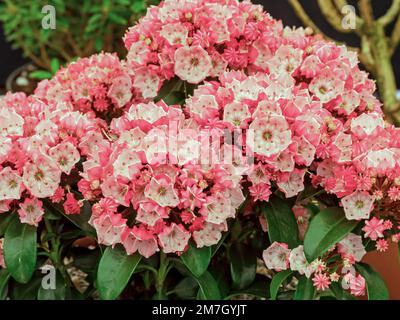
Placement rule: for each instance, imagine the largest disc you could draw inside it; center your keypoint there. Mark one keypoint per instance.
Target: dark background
(280, 9)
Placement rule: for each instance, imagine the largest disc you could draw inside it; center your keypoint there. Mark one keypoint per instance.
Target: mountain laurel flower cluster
(219, 121)
(154, 171)
(40, 148)
(195, 40)
(100, 85)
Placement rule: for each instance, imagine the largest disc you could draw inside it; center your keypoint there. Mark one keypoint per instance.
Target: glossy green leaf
(197, 260)
(115, 270)
(79, 220)
(243, 265)
(55, 65)
(4, 277)
(5, 219)
(259, 289)
(376, 287)
(326, 229)
(169, 89)
(56, 293)
(305, 289)
(187, 288)
(340, 293)
(277, 281)
(282, 225)
(20, 250)
(27, 291)
(40, 75)
(208, 287)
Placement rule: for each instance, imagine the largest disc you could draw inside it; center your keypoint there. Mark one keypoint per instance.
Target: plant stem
(162, 273)
(54, 253)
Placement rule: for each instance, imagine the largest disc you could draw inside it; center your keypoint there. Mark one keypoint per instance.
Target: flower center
(39, 175)
(13, 184)
(322, 90)
(162, 191)
(194, 62)
(359, 204)
(267, 135)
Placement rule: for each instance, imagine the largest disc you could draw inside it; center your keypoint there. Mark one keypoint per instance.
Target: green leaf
(40, 75)
(376, 287)
(5, 219)
(174, 98)
(4, 277)
(170, 91)
(187, 288)
(208, 287)
(58, 293)
(79, 220)
(277, 281)
(115, 18)
(282, 225)
(99, 43)
(259, 289)
(243, 265)
(326, 229)
(197, 260)
(20, 250)
(55, 65)
(115, 270)
(305, 289)
(138, 6)
(26, 291)
(52, 215)
(340, 293)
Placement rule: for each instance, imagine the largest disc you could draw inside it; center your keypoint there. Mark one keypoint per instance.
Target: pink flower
(382, 245)
(109, 228)
(209, 234)
(276, 256)
(31, 211)
(42, 177)
(71, 205)
(321, 281)
(149, 213)
(162, 192)
(10, 184)
(192, 64)
(143, 242)
(271, 135)
(260, 191)
(358, 205)
(356, 284)
(293, 183)
(106, 205)
(58, 195)
(394, 193)
(175, 33)
(374, 228)
(65, 155)
(298, 262)
(174, 238)
(352, 245)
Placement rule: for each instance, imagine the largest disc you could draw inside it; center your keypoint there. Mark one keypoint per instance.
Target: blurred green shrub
(83, 27)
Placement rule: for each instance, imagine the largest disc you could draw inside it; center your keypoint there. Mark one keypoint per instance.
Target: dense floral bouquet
(224, 139)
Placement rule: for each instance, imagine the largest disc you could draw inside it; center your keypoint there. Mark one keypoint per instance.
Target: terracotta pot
(388, 265)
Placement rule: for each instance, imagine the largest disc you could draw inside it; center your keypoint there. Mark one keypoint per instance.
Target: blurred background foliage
(82, 27)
